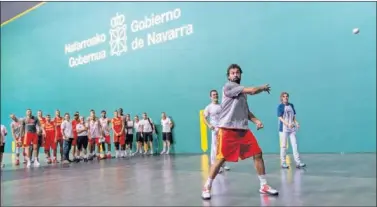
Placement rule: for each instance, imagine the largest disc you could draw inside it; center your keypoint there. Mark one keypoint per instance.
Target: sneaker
(226, 168)
(109, 156)
(206, 193)
(266, 189)
(163, 152)
(284, 166)
(2, 165)
(300, 165)
(17, 162)
(28, 164)
(167, 152)
(36, 163)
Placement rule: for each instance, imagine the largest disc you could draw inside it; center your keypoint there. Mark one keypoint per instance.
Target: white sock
(262, 179)
(208, 183)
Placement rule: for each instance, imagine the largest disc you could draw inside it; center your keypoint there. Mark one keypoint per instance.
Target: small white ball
(356, 31)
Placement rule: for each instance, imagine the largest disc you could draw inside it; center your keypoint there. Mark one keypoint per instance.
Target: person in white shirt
(139, 135)
(82, 138)
(212, 112)
(129, 125)
(95, 135)
(2, 143)
(288, 126)
(147, 128)
(67, 132)
(106, 134)
(18, 138)
(167, 137)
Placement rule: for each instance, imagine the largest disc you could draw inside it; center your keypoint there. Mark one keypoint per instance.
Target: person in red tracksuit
(49, 139)
(119, 135)
(58, 131)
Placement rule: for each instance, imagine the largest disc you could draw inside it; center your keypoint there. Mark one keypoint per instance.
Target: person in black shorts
(147, 129)
(3, 133)
(167, 137)
(82, 138)
(139, 137)
(129, 125)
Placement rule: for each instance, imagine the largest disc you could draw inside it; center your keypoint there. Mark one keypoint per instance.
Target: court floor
(329, 180)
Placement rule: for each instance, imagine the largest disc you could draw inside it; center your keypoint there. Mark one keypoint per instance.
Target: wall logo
(118, 35)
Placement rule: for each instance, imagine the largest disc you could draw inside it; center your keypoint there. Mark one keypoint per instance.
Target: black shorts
(167, 136)
(129, 138)
(148, 136)
(2, 148)
(82, 142)
(139, 138)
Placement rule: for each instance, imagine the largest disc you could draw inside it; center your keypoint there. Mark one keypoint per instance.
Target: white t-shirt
(105, 125)
(146, 125)
(129, 127)
(17, 128)
(81, 126)
(166, 125)
(213, 112)
(3, 132)
(94, 129)
(67, 129)
(137, 126)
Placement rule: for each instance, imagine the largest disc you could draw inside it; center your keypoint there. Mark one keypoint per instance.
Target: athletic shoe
(266, 189)
(206, 193)
(300, 165)
(284, 166)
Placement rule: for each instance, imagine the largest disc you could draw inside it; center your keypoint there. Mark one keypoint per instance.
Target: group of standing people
(87, 138)
(231, 137)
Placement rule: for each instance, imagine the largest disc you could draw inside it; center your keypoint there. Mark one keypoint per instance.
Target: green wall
(307, 49)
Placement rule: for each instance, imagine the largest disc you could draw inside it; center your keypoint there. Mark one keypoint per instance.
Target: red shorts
(107, 139)
(74, 141)
(234, 144)
(94, 141)
(121, 139)
(30, 138)
(50, 141)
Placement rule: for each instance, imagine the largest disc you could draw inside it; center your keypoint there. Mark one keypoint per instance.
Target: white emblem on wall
(118, 36)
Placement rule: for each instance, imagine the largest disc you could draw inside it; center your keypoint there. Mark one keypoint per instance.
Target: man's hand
(259, 124)
(267, 88)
